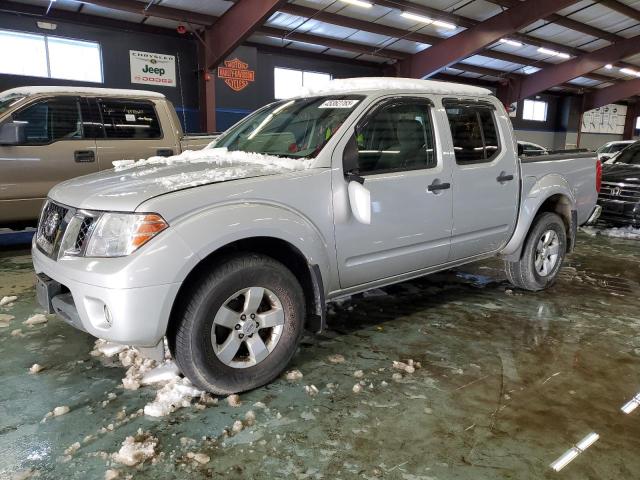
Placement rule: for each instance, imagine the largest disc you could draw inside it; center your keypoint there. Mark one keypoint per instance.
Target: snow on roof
(35, 90)
(389, 83)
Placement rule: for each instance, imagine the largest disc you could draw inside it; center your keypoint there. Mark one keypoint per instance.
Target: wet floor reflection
(503, 383)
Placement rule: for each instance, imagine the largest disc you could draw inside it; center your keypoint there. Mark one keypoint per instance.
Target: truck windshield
(297, 128)
(6, 101)
(630, 155)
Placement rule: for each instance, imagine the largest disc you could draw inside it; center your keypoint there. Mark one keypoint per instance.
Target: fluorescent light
(608, 66)
(440, 23)
(359, 3)
(427, 20)
(417, 18)
(508, 41)
(553, 53)
(629, 71)
(631, 405)
(570, 455)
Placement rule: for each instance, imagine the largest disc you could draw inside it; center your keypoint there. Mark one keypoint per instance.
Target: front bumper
(132, 316)
(620, 212)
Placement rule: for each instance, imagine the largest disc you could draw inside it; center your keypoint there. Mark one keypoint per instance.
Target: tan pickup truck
(51, 134)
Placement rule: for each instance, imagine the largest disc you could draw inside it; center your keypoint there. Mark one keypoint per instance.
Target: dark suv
(620, 193)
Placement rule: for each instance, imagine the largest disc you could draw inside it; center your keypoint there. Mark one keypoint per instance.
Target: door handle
(503, 177)
(84, 156)
(164, 152)
(435, 187)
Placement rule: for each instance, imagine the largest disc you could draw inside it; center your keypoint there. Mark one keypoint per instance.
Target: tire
(205, 329)
(532, 272)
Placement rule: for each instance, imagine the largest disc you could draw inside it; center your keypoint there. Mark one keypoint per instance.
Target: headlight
(120, 234)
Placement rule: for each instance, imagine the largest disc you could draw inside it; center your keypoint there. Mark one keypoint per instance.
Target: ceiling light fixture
(553, 53)
(359, 3)
(427, 20)
(629, 71)
(508, 41)
(608, 66)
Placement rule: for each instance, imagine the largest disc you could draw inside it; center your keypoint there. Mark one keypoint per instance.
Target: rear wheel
(542, 255)
(240, 326)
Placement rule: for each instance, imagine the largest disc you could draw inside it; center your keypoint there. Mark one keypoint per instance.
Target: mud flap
(573, 231)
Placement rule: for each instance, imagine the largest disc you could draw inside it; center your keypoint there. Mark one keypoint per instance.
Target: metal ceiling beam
(622, 8)
(474, 39)
(235, 26)
(565, 22)
(150, 10)
(575, 67)
(356, 24)
(605, 96)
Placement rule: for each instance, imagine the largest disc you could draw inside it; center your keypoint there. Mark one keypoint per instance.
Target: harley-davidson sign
(236, 74)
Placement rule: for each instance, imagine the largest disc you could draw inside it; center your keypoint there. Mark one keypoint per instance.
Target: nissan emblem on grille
(615, 191)
(51, 223)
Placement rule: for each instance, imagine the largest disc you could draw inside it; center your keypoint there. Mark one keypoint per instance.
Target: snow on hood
(387, 83)
(132, 182)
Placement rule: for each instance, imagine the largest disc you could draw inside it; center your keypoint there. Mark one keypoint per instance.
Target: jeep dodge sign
(152, 68)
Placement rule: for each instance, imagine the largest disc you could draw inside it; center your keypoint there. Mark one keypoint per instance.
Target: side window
(474, 133)
(51, 120)
(396, 137)
(130, 119)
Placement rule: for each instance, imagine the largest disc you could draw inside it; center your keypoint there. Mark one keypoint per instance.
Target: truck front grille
(53, 222)
(625, 192)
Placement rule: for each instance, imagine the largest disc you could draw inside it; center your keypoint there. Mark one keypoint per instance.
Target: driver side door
(411, 199)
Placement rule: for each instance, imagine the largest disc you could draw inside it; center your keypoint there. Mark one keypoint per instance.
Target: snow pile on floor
(389, 83)
(56, 412)
(36, 319)
(174, 391)
(5, 320)
(136, 449)
(615, 232)
(7, 300)
(336, 358)
(293, 375)
(176, 394)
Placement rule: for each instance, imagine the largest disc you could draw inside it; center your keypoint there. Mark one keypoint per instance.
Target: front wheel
(241, 325)
(542, 255)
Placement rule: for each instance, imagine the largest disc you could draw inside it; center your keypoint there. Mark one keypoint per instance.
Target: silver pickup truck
(51, 134)
(230, 252)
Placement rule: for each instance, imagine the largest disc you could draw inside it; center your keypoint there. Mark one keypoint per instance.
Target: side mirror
(604, 158)
(359, 195)
(360, 201)
(12, 133)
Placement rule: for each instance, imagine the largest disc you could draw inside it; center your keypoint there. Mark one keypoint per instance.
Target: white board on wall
(607, 119)
(152, 68)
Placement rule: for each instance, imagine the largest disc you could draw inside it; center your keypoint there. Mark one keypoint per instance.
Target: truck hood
(131, 183)
(621, 173)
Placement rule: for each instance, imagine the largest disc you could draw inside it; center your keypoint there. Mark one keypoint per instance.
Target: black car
(620, 192)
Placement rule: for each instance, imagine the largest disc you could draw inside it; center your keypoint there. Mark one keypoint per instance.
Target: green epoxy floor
(509, 381)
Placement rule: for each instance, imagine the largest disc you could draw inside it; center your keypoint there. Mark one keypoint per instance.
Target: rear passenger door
(55, 148)
(132, 130)
(485, 179)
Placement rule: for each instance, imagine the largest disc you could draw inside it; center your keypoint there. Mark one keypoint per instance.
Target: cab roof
(37, 90)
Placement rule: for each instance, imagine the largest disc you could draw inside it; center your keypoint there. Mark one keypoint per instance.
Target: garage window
(288, 82)
(535, 110)
(130, 119)
(50, 57)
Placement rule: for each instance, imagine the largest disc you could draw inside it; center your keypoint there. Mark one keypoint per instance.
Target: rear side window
(130, 119)
(50, 121)
(474, 133)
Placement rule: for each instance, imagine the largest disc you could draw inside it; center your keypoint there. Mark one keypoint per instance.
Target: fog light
(107, 316)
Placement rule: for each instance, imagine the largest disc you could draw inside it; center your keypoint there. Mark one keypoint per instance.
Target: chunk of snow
(163, 373)
(17, 332)
(311, 390)
(36, 319)
(237, 426)
(201, 458)
(628, 232)
(73, 448)
(36, 368)
(357, 388)
(111, 474)
(358, 374)
(336, 358)
(5, 320)
(293, 375)
(344, 85)
(7, 300)
(107, 349)
(396, 377)
(405, 367)
(234, 400)
(174, 395)
(250, 418)
(136, 449)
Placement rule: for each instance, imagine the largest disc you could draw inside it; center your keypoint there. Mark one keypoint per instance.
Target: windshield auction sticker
(339, 104)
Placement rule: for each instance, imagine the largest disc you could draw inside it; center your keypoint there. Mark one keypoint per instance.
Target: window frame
(46, 38)
(36, 101)
(479, 104)
(386, 102)
(302, 72)
(97, 101)
(546, 110)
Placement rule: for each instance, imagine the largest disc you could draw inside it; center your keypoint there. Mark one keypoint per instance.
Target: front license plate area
(46, 289)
